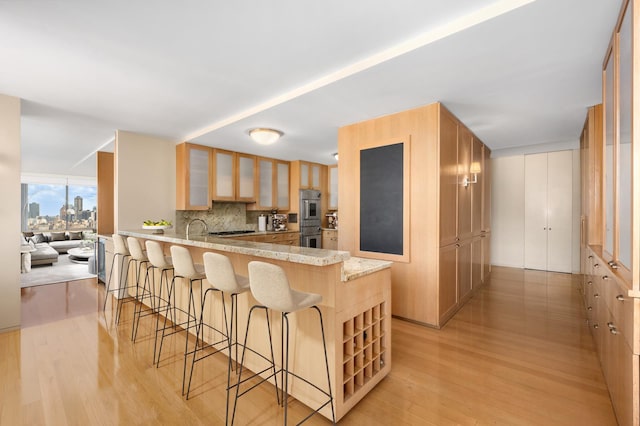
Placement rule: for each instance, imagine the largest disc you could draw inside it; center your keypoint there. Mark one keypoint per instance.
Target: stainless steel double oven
(310, 211)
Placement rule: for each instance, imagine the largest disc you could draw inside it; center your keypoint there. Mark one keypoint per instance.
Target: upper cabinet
(333, 187)
(310, 175)
(233, 177)
(621, 96)
(193, 171)
(273, 185)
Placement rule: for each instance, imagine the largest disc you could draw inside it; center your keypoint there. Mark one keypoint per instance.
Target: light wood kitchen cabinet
(233, 176)
(284, 238)
(193, 177)
(273, 185)
(330, 239)
(333, 187)
(311, 175)
(444, 263)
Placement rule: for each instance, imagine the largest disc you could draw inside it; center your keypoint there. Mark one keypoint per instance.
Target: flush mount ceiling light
(265, 136)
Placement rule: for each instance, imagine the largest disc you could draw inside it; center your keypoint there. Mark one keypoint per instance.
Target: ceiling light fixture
(265, 136)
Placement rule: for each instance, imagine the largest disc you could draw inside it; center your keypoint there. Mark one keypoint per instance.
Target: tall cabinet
(446, 254)
(610, 217)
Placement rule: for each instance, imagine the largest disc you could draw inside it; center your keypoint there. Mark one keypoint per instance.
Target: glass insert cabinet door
(609, 154)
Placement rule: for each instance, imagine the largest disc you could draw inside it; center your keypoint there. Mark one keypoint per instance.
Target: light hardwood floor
(518, 353)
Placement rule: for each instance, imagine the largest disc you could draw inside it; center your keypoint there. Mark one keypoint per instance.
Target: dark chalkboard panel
(381, 199)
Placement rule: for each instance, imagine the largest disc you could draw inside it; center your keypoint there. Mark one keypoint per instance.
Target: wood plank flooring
(518, 353)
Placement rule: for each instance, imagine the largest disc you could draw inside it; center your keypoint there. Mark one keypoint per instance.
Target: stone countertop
(329, 229)
(356, 267)
(294, 254)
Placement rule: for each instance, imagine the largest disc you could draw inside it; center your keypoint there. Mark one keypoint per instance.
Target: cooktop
(241, 231)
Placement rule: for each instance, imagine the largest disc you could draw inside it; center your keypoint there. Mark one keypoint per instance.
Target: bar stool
(121, 249)
(183, 268)
(158, 261)
(140, 257)
(270, 287)
(222, 277)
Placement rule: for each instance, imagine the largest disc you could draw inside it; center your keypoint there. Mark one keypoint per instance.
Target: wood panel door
(448, 179)
(448, 279)
(465, 140)
(477, 188)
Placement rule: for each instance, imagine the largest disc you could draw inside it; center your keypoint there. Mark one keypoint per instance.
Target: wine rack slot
(363, 348)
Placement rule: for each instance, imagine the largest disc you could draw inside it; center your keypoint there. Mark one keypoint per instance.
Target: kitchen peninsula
(356, 306)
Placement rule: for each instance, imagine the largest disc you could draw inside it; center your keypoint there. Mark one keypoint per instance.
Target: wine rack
(364, 348)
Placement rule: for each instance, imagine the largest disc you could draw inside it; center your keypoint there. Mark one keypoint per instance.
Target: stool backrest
(119, 246)
(270, 286)
(156, 255)
(220, 272)
(136, 249)
(182, 262)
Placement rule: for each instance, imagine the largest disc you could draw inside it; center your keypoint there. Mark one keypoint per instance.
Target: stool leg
(138, 308)
(120, 299)
(106, 293)
(164, 327)
(285, 386)
(326, 362)
(186, 341)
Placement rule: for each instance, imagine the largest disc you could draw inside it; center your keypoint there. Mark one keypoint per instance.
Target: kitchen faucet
(206, 228)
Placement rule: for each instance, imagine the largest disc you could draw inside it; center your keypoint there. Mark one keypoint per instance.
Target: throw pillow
(75, 235)
(38, 238)
(27, 234)
(57, 236)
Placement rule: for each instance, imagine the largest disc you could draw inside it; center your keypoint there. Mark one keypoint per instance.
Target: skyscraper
(34, 210)
(77, 204)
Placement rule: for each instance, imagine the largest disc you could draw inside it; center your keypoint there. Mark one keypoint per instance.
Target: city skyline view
(51, 198)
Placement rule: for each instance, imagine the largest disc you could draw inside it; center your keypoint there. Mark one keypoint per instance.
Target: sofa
(47, 246)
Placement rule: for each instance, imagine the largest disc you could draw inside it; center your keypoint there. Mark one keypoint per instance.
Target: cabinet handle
(596, 295)
(590, 257)
(596, 265)
(620, 297)
(458, 245)
(589, 282)
(589, 308)
(605, 277)
(595, 325)
(549, 229)
(611, 325)
(613, 331)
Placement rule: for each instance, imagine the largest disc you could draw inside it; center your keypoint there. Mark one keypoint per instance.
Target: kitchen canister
(262, 223)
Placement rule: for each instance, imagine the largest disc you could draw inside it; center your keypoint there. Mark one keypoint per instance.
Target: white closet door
(559, 209)
(548, 208)
(535, 211)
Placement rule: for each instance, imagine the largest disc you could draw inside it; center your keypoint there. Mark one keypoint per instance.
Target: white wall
(507, 211)
(10, 213)
(145, 180)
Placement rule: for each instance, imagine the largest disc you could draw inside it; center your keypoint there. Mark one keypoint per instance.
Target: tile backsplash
(222, 217)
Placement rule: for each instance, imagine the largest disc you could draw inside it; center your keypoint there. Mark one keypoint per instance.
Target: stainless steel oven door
(313, 241)
(311, 209)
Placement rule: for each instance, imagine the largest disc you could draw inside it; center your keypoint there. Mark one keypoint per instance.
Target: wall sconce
(335, 155)
(265, 136)
(475, 169)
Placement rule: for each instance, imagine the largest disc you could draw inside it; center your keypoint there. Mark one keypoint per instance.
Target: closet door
(548, 207)
(535, 211)
(559, 207)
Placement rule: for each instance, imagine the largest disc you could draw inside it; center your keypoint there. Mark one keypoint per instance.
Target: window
(58, 204)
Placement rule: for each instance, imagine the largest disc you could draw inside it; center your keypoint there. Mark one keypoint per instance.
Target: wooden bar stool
(270, 287)
(183, 268)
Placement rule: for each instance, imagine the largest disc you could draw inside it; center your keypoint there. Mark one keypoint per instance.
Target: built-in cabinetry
(310, 175)
(233, 176)
(610, 225)
(330, 239)
(193, 177)
(204, 174)
(333, 187)
(285, 238)
(273, 185)
(447, 247)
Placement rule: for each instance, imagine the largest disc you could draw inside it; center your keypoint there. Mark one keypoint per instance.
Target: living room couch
(48, 245)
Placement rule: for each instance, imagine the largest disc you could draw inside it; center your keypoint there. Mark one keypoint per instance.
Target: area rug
(61, 271)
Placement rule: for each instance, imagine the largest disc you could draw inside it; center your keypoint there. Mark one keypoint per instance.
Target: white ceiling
(517, 72)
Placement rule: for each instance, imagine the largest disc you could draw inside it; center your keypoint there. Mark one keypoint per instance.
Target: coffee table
(80, 254)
